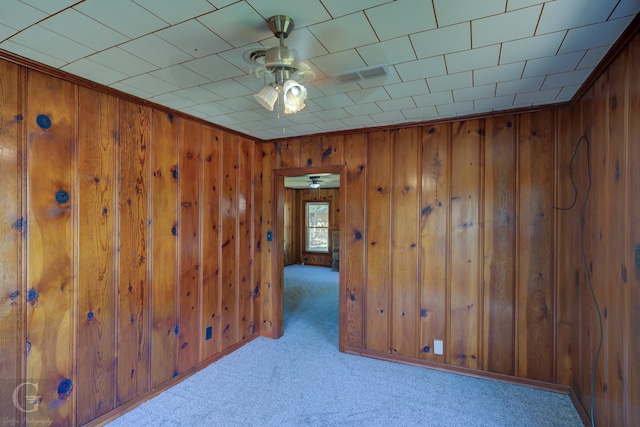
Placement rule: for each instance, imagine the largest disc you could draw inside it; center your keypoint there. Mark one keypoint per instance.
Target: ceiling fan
(284, 65)
(315, 182)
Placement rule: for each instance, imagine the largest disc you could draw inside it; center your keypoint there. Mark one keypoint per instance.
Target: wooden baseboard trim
(126, 407)
(541, 385)
(584, 415)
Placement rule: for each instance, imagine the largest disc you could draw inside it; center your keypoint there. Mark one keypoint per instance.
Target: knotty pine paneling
(604, 169)
(97, 169)
(51, 211)
(124, 213)
(12, 232)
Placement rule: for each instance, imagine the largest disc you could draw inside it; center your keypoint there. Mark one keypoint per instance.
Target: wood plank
(405, 212)
(212, 155)
(353, 243)
(245, 293)
(378, 220)
(433, 238)
(616, 273)
(51, 202)
(310, 152)
(134, 331)
(288, 154)
(632, 259)
(97, 243)
(190, 146)
(268, 306)
(568, 265)
(332, 150)
(536, 296)
(229, 241)
(499, 244)
(288, 225)
(464, 259)
(164, 248)
(258, 191)
(12, 229)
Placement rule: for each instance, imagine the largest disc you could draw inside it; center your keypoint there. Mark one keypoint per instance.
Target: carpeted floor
(302, 380)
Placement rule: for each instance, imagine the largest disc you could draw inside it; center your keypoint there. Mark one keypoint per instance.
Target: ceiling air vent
(368, 73)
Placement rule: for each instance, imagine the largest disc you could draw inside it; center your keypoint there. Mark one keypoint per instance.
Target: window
(317, 227)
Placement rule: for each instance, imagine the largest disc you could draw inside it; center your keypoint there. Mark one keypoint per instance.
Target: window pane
(317, 231)
(317, 239)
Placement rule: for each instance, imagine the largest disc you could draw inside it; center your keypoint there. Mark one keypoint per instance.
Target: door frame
(278, 248)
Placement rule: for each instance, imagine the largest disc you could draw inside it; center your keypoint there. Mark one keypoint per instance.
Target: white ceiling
(326, 180)
(446, 58)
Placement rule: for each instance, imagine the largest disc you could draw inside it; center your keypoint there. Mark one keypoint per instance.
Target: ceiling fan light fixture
(267, 97)
(315, 182)
(294, 95)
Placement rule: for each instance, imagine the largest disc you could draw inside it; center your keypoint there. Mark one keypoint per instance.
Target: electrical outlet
(438, 347)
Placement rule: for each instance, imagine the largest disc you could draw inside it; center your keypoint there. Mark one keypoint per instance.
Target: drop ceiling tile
(49, 6)
(303, 117)
(123, 16)
(51, 44)
(422, 68)
(150, 84)
(18, 15)
(93, 71)
(76, 26)
(194, 38)
(431, 99)
(450, 81)
(567, 93)
(419, 114)
(303, 12)
(132, 90)
(335, 63)
(194, 113)
(124, 61)
(597, 35)
(211, 109)
(251, 81)
(254, 126)
(509, 26)
(359, 121)
(340, 7)
(625, 8)
(331, 125)
(449, 12)
(564, 14)
(532, 47)
(389, 52)
(401, 17)
(497, 74)
(473, 59)
(333, 101)
(519, 4)
(239, 103)
(304, 128)
(497, 103)
(197, 95)
(519, 86)
(214, 68)
(245, 116)
(456, 109)
(174, 12)
(171, 100)
(363, 109)
(344, 33)
(369, 95)
(278, 123)
(26, 52)
(330, 87)
(593, 57)
(228, 89)
(224, 120)
(334, 114)
(543, 96)
(401, 90)
(397, 104)
(388, 117)
(471, 93)
(552, 64)
(453, 38)
(180, 76)
(237, 24)
(566, 79)
(6, 32)
(155, 50)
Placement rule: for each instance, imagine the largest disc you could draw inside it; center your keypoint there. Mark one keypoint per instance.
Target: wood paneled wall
(127, 248)
(294, 223)
(450, 236)
(605, 170)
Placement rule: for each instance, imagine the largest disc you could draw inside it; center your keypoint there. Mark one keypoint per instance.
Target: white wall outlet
(437, 347)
